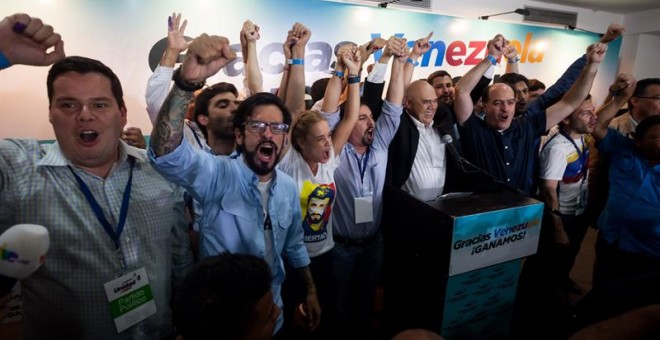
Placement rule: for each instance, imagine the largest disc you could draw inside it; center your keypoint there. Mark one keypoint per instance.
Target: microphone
(449, 141)
(462, 162)
(23, 249)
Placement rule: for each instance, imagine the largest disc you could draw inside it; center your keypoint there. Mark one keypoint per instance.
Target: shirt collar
(55, 157)
(419, 124)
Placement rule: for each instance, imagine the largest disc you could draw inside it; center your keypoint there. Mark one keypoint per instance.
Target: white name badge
(364, 209)
(130, 298)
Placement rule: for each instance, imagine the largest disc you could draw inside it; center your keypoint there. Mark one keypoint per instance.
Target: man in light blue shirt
(360, 178)
(249, 206)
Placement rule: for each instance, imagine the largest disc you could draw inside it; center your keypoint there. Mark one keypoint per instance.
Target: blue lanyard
(362, 164)
(114, 235)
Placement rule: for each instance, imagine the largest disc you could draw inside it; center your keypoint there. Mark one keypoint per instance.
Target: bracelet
(412, 61)
(353, 79)
(339, 74)
(491, 59)
(4, 62)
(555, 212)
(295, 61)
(184, 85)
(513, 61)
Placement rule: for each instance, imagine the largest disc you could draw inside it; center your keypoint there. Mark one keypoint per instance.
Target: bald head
(417, 334)
(421, 101)
(499, 102)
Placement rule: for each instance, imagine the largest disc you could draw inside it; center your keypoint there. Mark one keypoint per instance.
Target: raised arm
(420, 47)
(206, 56)
(286, 71)
(351, 59)
(335, 85)
(463, 105)
(249, 36)
(25, 40)
(372, 94)
(511, 54)
(158, 85)
(396, 89)
(578, 91)
(295, 92)
(622, 90)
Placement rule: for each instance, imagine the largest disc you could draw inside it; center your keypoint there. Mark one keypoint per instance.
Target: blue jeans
(357, 270)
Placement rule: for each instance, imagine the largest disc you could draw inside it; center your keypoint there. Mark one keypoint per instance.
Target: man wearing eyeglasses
(645, 102)
(249, 206)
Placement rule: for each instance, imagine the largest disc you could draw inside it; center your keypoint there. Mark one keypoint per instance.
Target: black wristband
(555, 212)
(184, 85)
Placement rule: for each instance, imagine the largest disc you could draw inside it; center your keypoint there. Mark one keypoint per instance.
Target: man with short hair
(563, 184)
(227, 296)
(629, 227)
(504, 146)
(214, 110)
(520, 85)
(645, 102)
(536, 88)
(251, 207)
(443, 85)
(117, 228)
(358, 251)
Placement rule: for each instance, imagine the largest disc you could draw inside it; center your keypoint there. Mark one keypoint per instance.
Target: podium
(452, 265)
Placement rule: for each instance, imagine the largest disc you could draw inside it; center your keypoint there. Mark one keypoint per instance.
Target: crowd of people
(253, 215)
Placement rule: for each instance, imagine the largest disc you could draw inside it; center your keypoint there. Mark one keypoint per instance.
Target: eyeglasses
(644, 97)
(257, 126)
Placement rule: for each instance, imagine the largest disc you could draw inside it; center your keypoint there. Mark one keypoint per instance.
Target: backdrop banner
(129, 36)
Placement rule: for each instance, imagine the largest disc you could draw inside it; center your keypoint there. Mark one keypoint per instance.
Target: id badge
(130, 299)
(364, 209)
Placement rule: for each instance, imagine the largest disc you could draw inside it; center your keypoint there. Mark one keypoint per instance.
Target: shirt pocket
(282, 222)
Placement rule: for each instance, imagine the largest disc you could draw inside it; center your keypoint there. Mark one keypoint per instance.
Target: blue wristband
(4, 62)
(339, 74)
(513, 61)
(413, 62)
(296, 61)
(492, 59)
(353, 79)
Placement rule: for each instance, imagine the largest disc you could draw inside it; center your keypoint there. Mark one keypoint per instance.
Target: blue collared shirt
(350, 182)
(65, 297)
(632, 213)
(233, 218)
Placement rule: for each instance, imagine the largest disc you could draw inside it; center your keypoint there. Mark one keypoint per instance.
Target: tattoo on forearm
(168, 129)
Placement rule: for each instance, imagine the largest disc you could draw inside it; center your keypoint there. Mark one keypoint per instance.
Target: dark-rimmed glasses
(257, 126)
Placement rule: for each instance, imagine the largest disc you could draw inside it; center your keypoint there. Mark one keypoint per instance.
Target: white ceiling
(613, 6)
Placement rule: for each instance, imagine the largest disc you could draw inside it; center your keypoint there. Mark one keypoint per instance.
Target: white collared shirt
(427, 176)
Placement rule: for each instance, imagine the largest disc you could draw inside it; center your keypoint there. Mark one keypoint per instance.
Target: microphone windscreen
(447, 139)
(23, 249)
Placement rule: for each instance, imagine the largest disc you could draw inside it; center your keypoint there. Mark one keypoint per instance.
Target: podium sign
(452, 265)
(485, 261)
(494, 237)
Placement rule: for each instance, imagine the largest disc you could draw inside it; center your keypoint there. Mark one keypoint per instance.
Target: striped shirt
(65, 297)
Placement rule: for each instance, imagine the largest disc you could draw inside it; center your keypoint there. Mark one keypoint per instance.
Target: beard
(257, 165)
(368, 138)
(221, 128)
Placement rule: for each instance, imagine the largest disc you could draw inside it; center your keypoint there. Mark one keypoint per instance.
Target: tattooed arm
(206, 56)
